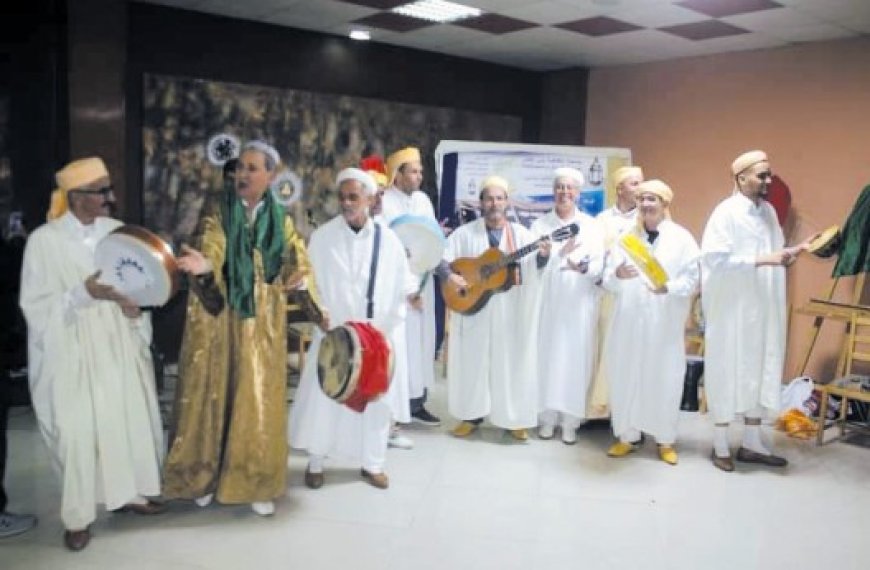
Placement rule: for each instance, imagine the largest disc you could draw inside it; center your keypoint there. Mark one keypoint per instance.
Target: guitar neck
(521, 252)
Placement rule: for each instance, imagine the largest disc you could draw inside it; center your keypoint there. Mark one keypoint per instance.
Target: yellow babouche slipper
(519, 434)
(621, 449)
(463, 429)
(668, 454)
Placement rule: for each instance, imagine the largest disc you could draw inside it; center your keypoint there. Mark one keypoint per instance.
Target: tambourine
(827, 243)
(354, 364)
(138, 264)
(648, 265)
(423, 239)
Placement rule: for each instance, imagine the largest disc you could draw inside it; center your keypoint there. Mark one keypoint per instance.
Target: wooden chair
(851, 385)
(858, 349)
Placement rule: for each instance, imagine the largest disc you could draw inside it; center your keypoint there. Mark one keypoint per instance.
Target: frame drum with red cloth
(354, 364)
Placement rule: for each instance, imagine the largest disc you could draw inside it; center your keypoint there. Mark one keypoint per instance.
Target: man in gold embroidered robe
(228, 436)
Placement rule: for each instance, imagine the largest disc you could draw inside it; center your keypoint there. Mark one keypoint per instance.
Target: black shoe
(748, 456)
(76, 540)
(422, 416)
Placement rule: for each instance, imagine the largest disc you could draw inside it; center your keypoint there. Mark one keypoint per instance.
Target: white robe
(91, 375)
(645, 354)
(491, 360)
(568, 317)
(419, 325)
(341, 261)
(744, 309)
(613, 224)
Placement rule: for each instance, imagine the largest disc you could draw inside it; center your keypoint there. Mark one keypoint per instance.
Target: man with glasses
(743, 273)
(91, 373)
(568, 311)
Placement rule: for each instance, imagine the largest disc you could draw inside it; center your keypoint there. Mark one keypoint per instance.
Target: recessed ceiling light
(362, 35)
(437, 11)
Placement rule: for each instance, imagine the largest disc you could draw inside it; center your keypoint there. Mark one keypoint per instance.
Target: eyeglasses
(766, 175)
(104, 191)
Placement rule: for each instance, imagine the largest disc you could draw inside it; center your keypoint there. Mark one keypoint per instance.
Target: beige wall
(808, 106)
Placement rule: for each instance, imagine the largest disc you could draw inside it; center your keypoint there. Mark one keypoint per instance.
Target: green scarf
(265, 234)
(854, 255)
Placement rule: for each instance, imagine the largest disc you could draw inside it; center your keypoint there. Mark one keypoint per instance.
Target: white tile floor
(488, 503)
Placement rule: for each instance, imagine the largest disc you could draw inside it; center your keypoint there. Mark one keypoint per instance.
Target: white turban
(571, 174)
(495, 181)
(265, 148)
(361, 176)
(625, 172)
(659, 188)
(747, 160)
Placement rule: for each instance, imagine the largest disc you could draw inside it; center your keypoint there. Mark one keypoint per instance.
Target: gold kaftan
(229, 434)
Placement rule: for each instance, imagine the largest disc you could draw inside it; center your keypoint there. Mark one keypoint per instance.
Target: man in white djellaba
(744, 260)
(491, 353)
(341, 253)
(645, 354)
(568, 313)
(615, 221)
(91, 373)
(405, 175)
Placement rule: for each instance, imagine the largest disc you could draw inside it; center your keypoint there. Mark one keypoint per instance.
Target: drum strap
(373, 270)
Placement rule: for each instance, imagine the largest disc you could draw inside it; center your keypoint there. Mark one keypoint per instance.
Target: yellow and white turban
(74, 175)
(747, 160)
(495, 181)
(400, 157)
(625, 172)
(661, 190)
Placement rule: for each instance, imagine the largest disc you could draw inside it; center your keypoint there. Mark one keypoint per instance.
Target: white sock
(205, 500)
(752, 439)
(315, 464)
(720, 441)
(263, 508)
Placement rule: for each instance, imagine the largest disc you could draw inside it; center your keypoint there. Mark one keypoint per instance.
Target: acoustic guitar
(488, 273)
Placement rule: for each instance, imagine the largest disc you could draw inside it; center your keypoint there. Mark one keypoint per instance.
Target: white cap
(360, 176)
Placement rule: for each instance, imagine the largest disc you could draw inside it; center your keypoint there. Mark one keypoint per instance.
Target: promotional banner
(463, 165)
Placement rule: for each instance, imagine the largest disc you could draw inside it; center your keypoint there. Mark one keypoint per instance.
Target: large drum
(423, 239)
(138, 264)
(354, 364)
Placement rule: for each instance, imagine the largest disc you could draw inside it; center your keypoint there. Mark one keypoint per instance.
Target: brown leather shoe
(149, 508)
(379, 480)
(748, 456)
(76, 540)
(313, 480)
(724, 463)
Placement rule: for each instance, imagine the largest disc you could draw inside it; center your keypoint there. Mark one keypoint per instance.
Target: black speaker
(694, 371)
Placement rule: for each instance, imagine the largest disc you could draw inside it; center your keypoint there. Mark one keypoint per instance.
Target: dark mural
(316, 134)
(6, 195)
